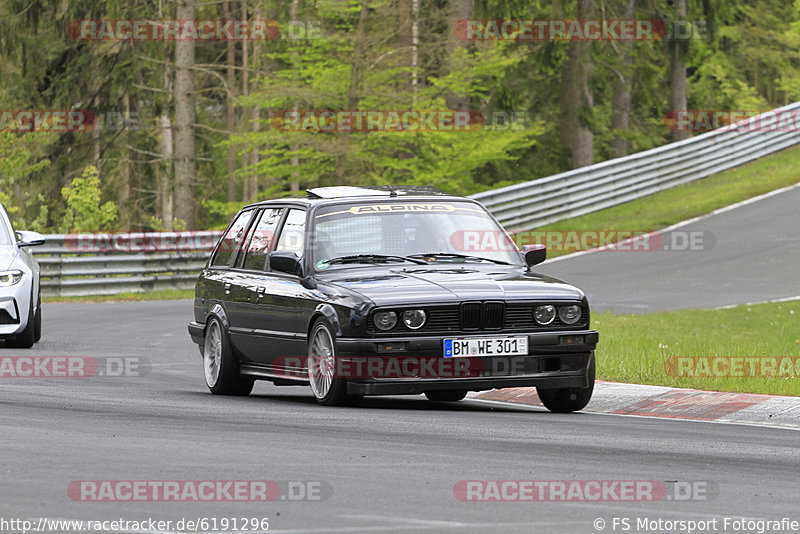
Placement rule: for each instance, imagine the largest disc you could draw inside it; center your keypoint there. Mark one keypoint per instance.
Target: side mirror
(286, 262)
(534, 254)
(29, 239)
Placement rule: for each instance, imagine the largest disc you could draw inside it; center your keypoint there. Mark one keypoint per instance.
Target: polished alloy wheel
(212, 354)
(321, 362)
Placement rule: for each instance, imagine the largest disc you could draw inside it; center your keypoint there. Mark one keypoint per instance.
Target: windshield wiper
(454, 255)
(374, 258)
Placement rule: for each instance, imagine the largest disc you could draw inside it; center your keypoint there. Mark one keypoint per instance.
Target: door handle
(227, 287)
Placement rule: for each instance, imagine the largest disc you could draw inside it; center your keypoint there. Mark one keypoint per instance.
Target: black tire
(37, 320)
(26, 338)
(333, 393)
(446, 395)
(568, 399)
(217, 354)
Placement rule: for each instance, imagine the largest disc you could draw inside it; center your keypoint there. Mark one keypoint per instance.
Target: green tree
(84, 211)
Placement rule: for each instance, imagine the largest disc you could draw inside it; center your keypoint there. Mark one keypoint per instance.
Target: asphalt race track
(750, 253)
(388, 466)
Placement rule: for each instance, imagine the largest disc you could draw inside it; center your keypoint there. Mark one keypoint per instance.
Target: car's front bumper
(15, 302)
(555, 360)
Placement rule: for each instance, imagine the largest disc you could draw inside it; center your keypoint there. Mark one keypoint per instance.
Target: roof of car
(376, 192)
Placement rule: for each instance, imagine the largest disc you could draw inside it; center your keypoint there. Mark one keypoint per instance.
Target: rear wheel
(329, 389)
(568, 399)
(220, 365)
(446, 395)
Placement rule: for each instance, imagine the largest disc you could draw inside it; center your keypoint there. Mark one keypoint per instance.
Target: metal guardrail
(532, 204)
(107, 264)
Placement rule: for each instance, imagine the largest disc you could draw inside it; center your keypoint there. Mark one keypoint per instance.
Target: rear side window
(262, 240)
(232, 240)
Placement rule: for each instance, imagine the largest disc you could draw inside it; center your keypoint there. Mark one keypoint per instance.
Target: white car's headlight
(9, 278)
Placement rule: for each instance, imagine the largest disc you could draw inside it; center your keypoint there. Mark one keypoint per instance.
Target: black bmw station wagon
(387, 290)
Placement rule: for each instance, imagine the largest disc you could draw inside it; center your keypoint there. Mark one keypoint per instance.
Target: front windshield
(418, 231)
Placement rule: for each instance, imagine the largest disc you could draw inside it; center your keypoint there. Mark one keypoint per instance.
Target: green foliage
(748, 62)
(638, 348)
(84, 211)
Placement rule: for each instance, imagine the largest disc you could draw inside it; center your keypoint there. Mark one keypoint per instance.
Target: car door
(216, 284)
(273, 317)
(255, 319)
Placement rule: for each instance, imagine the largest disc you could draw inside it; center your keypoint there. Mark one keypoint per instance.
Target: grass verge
(164, 294)
(645, 349)
(685, 201)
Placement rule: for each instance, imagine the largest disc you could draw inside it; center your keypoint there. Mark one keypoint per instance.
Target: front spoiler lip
(415, 386)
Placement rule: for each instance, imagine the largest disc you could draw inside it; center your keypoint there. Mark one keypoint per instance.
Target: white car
(20, 294)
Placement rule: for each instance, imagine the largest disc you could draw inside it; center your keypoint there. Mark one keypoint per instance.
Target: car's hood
(423, 284)
(7, 255)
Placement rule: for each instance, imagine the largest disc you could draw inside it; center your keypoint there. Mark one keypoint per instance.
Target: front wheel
(220, 365)
(329, 389)
(568, 399)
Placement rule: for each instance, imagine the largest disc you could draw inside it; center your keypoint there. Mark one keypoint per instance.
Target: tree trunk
(576, 98)
(230, 115)
(621, 99)
(459, 10)
(124, 192)
(295, 184)
(163, 182)
(677, 79)
(185, 164)
(353, 90)
(164, 169)
(414, 51)
(258, 14)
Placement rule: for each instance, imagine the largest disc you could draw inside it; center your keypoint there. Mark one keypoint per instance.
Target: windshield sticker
(323, 264)
(373, 209)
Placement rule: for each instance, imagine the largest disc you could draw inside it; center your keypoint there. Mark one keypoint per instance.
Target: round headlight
(414, 319)
(544, 314)
(385, 320)
(569, 314)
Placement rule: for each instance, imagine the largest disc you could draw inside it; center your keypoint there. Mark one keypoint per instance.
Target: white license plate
(486, 346)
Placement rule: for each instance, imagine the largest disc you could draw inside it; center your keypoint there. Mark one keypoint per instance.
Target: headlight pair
(9, 278)
(412, 319)
(544, 315)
